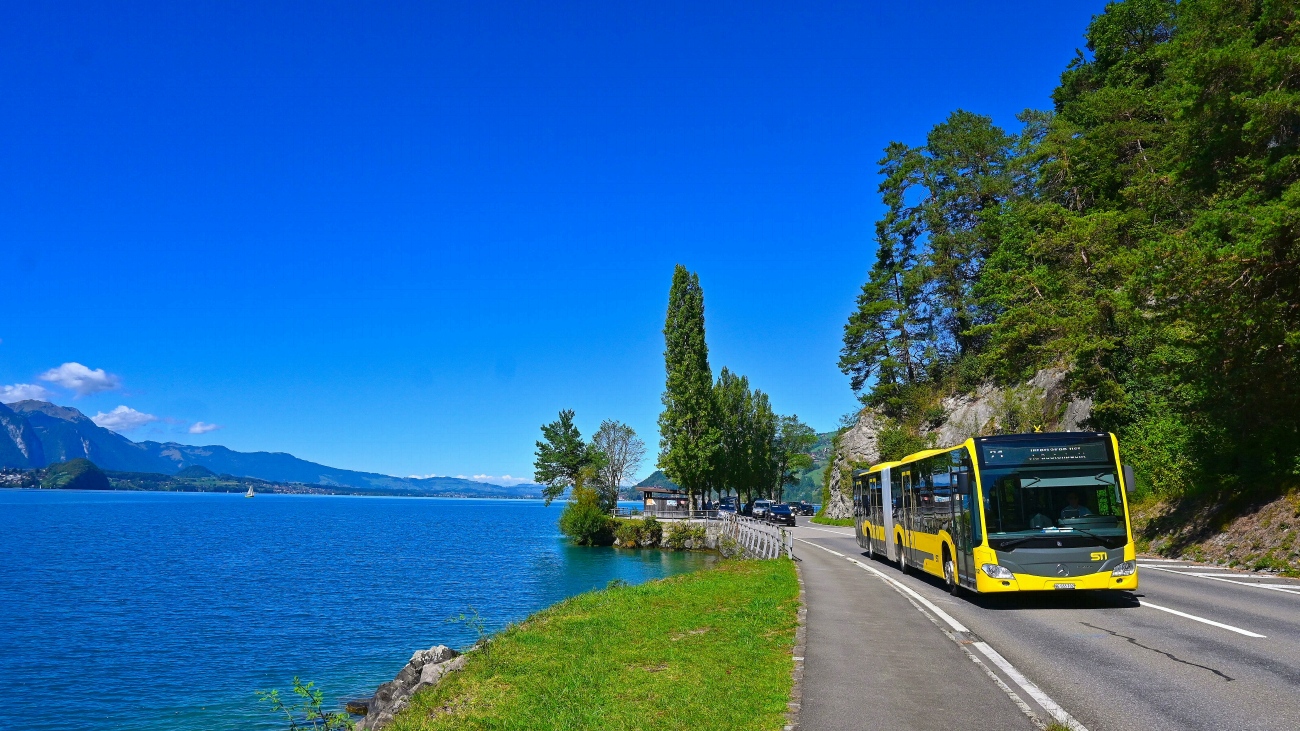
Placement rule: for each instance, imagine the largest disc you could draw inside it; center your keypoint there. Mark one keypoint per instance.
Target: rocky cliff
(1042, 402)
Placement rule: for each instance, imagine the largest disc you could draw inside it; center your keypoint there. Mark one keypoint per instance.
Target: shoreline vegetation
(708, 649)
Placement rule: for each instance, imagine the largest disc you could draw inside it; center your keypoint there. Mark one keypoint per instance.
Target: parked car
(760, 508)
(780, 513)
(803, 507)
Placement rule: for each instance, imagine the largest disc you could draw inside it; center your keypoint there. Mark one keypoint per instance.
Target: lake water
(168, 610)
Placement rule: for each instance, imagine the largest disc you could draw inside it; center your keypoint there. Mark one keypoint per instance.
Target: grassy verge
(845, 522)
(707, 650)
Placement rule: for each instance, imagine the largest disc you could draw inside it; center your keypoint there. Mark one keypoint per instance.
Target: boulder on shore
(426, 668)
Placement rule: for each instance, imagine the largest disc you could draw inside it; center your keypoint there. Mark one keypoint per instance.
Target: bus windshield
(1055, 486)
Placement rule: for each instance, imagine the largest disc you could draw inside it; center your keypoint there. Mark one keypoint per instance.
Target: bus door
(963, 512)
(907, 512)
(888, 499)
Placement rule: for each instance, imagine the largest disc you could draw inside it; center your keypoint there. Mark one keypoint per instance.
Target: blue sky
(400, 237)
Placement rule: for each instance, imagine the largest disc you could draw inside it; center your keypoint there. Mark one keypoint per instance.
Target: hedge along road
(1194, 648)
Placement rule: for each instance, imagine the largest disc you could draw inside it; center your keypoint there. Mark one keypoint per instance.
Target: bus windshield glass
(1054, 487)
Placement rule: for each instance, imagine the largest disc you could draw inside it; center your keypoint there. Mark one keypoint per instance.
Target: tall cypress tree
(688, 432)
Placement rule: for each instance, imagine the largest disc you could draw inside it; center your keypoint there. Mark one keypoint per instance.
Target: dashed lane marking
(1203, 620)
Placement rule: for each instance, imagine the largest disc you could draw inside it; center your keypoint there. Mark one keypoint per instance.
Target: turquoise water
(167, 610)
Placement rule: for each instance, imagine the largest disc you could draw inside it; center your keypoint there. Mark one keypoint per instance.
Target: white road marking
(827, 530)
(1284, 588)
(1029, 687)
(1203, 620)
(996, 658)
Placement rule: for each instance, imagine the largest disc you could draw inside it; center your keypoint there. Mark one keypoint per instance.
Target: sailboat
(250, 491)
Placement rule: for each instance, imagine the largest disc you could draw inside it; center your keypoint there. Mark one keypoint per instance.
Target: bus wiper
(1017, 541)
(1056, 533)
(1087, 532)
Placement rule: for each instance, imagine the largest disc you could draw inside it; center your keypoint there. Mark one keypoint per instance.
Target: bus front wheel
(950, 574)
(902, 557)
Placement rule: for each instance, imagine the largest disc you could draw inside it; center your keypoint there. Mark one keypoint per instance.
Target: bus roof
(874, 468)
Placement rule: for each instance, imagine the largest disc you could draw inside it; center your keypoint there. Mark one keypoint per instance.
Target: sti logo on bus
(1098, 556)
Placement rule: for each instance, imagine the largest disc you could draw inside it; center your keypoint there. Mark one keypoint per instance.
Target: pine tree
(688, 434)
(889, 338)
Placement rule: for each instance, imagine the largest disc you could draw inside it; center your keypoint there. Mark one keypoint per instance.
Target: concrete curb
(800, 635)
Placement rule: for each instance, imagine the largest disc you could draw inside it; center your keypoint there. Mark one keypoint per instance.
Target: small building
(663, 499)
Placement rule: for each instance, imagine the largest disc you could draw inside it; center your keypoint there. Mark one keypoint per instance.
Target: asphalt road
(1194, 648)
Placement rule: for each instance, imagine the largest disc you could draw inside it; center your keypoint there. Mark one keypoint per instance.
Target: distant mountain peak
(65, 413)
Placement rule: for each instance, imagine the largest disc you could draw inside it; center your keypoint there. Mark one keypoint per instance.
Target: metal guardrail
(755, 538)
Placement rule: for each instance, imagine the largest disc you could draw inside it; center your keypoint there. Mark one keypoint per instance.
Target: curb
(800, 634)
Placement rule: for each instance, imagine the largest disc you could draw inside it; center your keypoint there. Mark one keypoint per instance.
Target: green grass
(845, 522)
(700, 651)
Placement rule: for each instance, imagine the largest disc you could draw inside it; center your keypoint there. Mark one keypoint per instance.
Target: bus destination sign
(1077, 453)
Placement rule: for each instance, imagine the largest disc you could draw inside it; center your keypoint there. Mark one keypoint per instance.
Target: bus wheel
(950, 574)
(902, 557)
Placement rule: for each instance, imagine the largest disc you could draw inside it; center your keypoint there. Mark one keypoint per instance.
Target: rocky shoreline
(426, 668)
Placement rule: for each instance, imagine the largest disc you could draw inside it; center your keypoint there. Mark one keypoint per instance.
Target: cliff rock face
(19, 445)
(1042, 401)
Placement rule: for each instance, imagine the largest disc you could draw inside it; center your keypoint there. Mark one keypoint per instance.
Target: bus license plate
(1065, 586)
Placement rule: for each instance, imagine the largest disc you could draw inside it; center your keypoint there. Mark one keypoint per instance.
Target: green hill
(75, 474)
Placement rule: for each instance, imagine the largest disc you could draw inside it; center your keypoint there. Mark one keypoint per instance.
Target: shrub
(644, 533)
(679, 533)
(585, 522)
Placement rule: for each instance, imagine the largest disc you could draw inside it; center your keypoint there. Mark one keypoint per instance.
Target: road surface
(1195, 648)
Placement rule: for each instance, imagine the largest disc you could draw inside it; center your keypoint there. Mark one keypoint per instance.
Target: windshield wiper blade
(1018, 541)
(1054, 534)
(1087, 532)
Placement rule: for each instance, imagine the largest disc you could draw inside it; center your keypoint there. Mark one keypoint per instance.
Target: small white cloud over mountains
(81, 380)
(495, 480)
(22, 392)
(200, 427)
(123, 418)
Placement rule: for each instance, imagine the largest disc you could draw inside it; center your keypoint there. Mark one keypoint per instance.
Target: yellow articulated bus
(1019, 512)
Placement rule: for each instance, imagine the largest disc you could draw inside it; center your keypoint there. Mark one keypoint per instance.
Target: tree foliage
(688, 434)
(561, 457)
(1142, 233)
(620, 454)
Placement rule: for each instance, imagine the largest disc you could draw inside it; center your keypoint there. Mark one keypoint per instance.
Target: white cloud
(491, 479)
(22, 392)
(81, 380)
(500, 480)
(123, 418)
(200, 427)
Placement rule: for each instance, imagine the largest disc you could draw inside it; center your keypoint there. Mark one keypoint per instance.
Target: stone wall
(1043, 397)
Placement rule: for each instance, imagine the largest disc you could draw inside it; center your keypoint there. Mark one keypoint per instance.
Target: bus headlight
(995, 571)
(1128, 568)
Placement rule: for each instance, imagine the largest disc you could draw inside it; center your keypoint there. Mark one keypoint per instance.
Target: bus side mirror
(1130, 481)
(963, 483)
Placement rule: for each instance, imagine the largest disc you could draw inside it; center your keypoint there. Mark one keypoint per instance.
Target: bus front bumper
(1030, 582)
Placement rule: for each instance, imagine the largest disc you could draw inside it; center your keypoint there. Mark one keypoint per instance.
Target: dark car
(803, 507)
(780, 513)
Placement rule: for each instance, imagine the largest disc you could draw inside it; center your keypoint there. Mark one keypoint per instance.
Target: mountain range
(34, 434)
